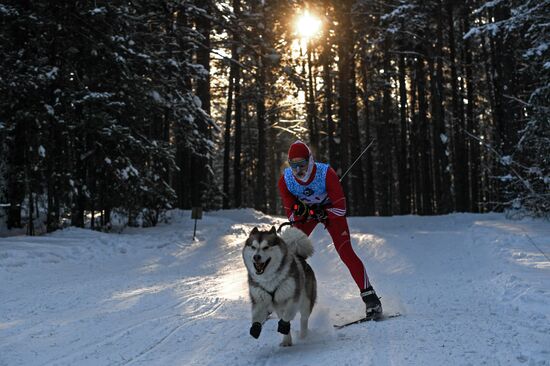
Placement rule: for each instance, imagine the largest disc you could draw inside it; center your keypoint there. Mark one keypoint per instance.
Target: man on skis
(312, 193)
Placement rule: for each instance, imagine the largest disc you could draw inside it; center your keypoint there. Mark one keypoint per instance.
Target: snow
(156, 96)
(197, 101)
(128, 171)
(488, 5)
(200, 70)
(6, 10)
(472, 289)
(100, 10)
(473, 32)
(506, 178)
(42, 151)
(49, 109)
(117, 38)
(398, 12)
(172, 62)
(539, 50)
(52, 74)
(97, 95)
(506, 160)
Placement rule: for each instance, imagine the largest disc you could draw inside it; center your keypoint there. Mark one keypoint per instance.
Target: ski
(365, 319)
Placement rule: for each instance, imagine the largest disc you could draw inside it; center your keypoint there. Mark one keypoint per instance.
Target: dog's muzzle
(261, 266)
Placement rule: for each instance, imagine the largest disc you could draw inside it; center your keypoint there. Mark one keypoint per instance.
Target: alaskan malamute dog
(279, 279)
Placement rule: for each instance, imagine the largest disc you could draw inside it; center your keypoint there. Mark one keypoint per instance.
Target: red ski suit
(336, 223)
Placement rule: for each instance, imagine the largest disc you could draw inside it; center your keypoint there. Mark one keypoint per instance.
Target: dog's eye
(266, 248)
(254, 247)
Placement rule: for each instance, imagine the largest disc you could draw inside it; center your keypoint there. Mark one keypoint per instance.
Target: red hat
(298, 150)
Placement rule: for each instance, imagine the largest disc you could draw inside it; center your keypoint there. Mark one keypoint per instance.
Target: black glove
(300, 208)
(318, 213)
(256, 329)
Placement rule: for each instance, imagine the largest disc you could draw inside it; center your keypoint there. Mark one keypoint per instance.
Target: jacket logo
(308, 192)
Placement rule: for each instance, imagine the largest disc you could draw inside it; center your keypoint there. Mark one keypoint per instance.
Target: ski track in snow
(472, 289)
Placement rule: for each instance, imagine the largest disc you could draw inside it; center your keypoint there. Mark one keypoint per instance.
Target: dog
(280, 279)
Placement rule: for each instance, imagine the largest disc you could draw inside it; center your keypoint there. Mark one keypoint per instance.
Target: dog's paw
(284, 327)
(256, 329)
(287, 341)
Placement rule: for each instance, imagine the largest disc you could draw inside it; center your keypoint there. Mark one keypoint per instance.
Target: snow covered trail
(473, 289)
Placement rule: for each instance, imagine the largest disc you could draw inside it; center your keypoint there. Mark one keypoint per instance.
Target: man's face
(299, 167)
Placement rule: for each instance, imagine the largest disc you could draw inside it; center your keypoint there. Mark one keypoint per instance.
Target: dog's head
(263, 252)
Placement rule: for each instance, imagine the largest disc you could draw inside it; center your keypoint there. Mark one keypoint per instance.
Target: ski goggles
(298, 164)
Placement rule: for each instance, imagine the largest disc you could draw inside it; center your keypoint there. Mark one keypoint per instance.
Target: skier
(312, 193)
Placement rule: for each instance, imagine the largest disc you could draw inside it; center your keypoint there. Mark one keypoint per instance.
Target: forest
(132, 108)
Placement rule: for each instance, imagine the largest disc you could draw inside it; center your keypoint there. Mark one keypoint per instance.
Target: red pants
(339, 232)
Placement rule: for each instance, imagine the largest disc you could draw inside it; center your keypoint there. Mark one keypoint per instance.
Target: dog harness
(315, 191)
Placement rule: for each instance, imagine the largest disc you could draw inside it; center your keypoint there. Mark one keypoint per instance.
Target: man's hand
(300, 208)
(318, 213)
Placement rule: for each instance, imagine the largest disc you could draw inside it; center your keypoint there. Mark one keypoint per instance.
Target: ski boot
(372, 302)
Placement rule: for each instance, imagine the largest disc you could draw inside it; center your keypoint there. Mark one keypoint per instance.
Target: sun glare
(308, 25)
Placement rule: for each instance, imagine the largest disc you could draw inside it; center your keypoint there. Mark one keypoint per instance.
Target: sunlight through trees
(140, 107)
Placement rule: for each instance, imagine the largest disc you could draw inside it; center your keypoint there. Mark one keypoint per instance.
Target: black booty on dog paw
(256, 329)
(284, 327)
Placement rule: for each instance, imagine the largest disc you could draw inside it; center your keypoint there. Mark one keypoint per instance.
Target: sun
(307, 25)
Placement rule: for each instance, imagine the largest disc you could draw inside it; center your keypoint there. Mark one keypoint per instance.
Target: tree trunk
(200, 163)
(311, 108)
(16, 187)
(414, 143)
(345, 49)
(440, 136)
(357, 178)
(459, 154)
(237, 174)
(473, 146)
(489, 188)
(385, 141)
(227, 133)
(402, 166)
(28, 189)
(329, 102)
(274, 163)
(260, 187)
(425, 170)
(370, 200)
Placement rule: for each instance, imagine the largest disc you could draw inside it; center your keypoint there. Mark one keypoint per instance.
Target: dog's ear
(254, 231)
(273, 230)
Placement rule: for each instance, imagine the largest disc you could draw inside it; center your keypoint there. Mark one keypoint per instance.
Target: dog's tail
(298, 241)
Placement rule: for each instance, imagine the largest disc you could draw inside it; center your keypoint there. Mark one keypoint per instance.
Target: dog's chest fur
(279, 287)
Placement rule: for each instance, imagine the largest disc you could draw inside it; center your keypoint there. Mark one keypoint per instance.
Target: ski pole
(359, 157)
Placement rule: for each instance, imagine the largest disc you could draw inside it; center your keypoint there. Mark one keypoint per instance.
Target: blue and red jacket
(323, 186)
